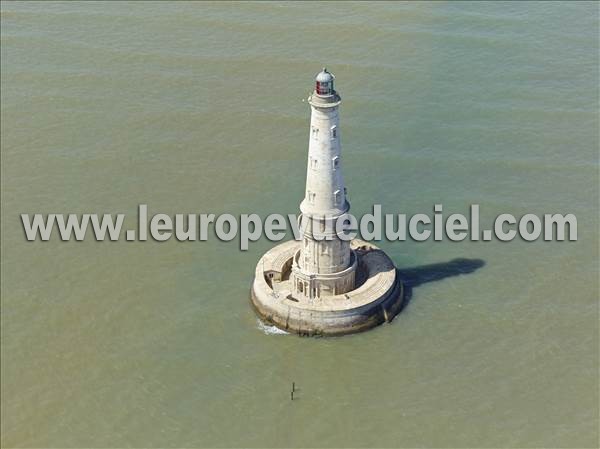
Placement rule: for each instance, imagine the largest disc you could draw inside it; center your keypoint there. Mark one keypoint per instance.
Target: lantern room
(324, 83)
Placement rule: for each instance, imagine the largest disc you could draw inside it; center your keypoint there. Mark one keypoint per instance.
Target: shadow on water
(413, 277)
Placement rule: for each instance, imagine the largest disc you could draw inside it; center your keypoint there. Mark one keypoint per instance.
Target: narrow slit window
(334, 132)
(338, 196)
(335, 162)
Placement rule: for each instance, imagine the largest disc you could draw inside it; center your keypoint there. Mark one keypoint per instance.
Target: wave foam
(270, 330)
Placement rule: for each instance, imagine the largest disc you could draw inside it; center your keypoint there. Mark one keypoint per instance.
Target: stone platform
(377, 296)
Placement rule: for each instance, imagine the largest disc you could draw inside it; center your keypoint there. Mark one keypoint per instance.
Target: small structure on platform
(325, 284)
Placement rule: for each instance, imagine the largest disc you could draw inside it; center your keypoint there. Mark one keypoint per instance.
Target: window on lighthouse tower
(334, 132)
(337, 195)
(335, 162)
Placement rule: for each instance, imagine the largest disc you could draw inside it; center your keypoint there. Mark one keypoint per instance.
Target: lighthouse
(325, 284)
(325, 265)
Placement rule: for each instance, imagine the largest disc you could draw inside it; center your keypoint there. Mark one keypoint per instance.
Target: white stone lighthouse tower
(324, 284)
(324, 265)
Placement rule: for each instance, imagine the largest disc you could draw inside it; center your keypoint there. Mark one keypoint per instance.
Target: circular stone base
(377, 297)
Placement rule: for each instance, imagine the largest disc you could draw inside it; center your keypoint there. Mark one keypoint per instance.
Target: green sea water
(194, 107)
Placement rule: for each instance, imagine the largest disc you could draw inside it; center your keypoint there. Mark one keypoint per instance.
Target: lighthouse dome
(324, 76)
(324, 83)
